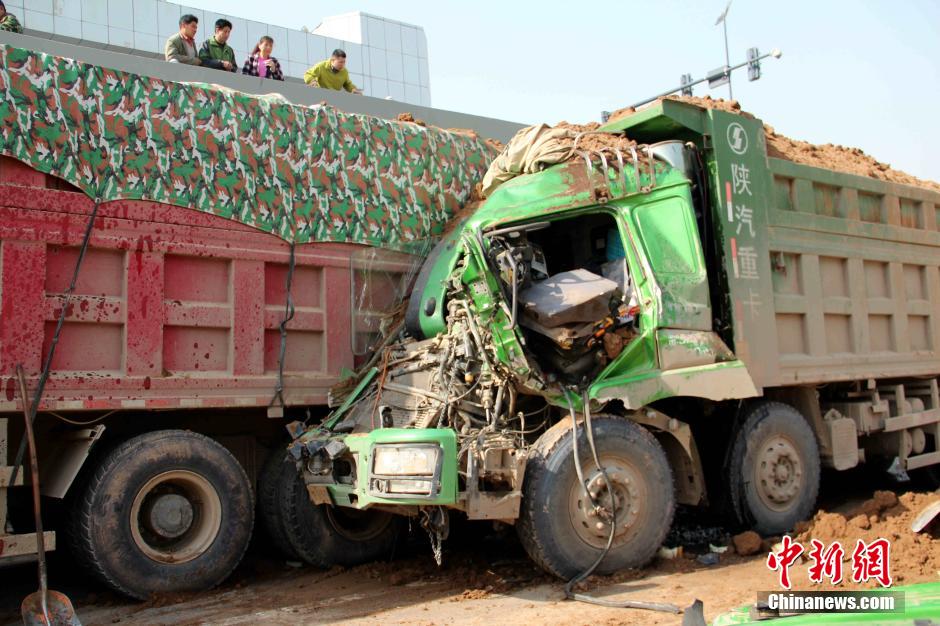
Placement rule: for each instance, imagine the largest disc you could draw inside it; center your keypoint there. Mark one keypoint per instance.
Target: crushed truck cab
(620, 322)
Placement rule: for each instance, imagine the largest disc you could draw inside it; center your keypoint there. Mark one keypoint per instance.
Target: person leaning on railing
(8, 21)
(331, 74)
(181, 47)
(260, 63)
(215, 51)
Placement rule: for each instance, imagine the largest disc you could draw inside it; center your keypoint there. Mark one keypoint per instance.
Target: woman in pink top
(261, 63)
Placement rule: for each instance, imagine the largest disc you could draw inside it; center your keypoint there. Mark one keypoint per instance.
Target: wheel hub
(780, 471)
(170, 516)
(175, 516)
(593, 514)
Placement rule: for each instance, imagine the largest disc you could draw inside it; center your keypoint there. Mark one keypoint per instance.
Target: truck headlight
(402, 486)
(405, 460)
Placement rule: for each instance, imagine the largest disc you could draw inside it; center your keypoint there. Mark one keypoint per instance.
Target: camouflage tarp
(304, 173)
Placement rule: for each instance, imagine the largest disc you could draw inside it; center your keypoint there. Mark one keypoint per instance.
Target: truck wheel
(557, 525)
(773, 469)
(165, 511)
(269, 498)
(324, 535)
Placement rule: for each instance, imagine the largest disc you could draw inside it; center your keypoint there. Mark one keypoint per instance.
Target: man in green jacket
(215, 51)
(8, 21)
(331, 74)
(181, 47)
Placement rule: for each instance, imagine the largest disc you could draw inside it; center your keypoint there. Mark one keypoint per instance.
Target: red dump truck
(240, 254)
(169, 352)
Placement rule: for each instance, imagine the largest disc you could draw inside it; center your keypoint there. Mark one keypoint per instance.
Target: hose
(663, 607)
(278, 399)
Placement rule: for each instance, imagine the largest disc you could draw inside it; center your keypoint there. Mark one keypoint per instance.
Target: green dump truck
(686, 321)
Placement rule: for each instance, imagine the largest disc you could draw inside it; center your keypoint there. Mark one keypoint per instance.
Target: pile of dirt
(495, 144)
(598, 141)
(839, 158)
(828, 156)
(408, 117)
(747, 543)
(915, 557)
(729, 106)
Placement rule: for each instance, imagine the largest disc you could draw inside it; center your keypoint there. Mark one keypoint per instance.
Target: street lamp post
(723, 20)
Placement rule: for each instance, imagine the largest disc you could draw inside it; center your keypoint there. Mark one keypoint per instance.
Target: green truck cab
(620, 333)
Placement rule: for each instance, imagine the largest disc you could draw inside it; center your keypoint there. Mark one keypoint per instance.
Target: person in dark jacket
(215, 51)
(260, 63)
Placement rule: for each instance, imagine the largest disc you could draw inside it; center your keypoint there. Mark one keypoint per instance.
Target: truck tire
(555, 525)
(166, 511)
(773, 469)
(269, 498)
(324, 535)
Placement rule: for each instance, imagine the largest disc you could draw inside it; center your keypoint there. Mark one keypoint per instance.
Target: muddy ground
(486, 577)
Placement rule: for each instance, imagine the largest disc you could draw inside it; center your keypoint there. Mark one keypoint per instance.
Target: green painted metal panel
(665, 119)
(362, 446)
(670, 239)
(742, 194)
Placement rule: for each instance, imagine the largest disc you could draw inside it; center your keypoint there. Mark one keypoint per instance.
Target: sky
(862, 73)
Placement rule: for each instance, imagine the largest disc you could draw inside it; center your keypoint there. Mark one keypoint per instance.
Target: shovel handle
(34, 471)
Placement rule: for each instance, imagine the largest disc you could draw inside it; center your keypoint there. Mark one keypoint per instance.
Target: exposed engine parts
(516, 335)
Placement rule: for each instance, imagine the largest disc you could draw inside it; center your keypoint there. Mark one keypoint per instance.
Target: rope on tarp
(47, 366)
(278, 399)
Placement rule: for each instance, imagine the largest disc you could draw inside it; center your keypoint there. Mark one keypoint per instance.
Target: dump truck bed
(173, 308)
(204, 193)
(823, 275)
(855, 279)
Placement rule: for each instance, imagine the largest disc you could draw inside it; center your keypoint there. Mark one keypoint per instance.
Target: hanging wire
(278, 399)
(47, 365)
(569, 587)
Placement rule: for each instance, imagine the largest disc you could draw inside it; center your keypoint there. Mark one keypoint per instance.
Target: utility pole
(715, 78)
(723, 20)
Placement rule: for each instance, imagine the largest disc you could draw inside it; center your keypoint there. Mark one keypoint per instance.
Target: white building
(385, 58)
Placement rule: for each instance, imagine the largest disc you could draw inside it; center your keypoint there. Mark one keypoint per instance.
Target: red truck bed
(173, 307)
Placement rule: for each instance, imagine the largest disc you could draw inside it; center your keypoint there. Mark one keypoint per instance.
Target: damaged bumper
(387, 466)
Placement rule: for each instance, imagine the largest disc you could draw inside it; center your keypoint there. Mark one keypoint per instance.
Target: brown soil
(915, 557)
(600, 140)
(490, 580)
(839, 158)
(408, 117)
(730, 106)
(495, 144)
(828, 156)
(747, 543)
(469, 132)
(464, 212)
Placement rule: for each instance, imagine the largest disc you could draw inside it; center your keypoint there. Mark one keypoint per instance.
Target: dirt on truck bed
(828, 156)
(600, 140)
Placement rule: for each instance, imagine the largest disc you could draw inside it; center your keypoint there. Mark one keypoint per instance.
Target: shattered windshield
(380, 280)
